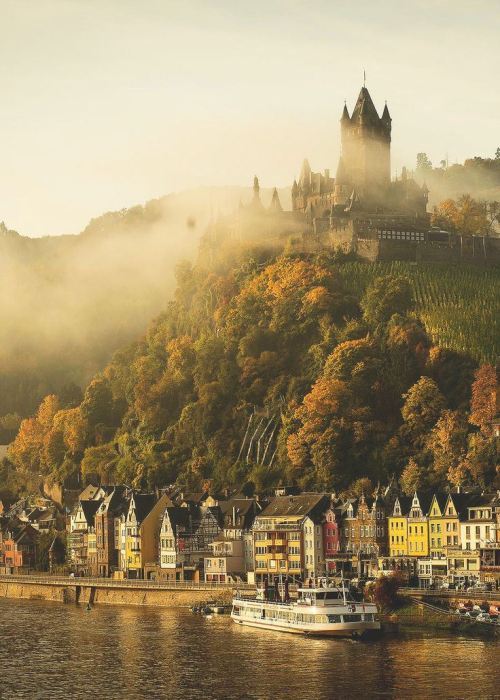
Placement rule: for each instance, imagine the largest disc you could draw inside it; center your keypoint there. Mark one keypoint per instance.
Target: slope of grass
(459, 305)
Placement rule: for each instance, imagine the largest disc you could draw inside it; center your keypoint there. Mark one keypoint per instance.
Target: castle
(363, 177)
(361, 209)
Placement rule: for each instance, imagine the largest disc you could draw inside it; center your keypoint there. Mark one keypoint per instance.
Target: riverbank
(415, 615)
(111, 592)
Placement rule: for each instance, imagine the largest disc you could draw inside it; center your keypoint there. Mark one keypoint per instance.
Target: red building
(19, 548)
(331, 539)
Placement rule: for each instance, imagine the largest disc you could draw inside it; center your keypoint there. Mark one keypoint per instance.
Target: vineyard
(460, 306)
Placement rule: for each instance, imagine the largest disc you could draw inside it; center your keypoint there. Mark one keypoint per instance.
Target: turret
(275, 205)
(386, 118)
(256, 188)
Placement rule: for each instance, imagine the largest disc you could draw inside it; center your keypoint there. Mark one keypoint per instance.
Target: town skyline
(130, 106)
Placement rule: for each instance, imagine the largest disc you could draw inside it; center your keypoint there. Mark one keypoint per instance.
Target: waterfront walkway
(89, 582)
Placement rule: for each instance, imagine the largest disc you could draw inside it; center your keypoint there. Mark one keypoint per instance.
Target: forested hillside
(68, 302)
(262, 370)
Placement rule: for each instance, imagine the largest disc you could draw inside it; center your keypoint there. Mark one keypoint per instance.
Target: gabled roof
(425, 500)
(364, 110)
(308, 504)
(178, 517)
(405, 504)
(143, 504)
(243, 508)
(89, 510)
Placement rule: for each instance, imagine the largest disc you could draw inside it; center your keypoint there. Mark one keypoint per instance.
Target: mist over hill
(68, 302)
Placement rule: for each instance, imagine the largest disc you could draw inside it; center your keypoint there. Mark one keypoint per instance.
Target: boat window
(352, 618)
(333, 618)
(333, 595)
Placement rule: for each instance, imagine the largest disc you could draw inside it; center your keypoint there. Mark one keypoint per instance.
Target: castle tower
(275, 205)
(366, 148)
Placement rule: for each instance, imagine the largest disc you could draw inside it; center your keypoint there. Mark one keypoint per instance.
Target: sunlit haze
(109, 103)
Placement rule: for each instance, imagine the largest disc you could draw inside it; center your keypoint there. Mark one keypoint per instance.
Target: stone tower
(366, 151)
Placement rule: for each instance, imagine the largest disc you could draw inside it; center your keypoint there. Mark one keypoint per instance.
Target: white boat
(324, 610)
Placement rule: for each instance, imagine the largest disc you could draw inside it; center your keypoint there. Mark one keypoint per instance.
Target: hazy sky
(108, 103)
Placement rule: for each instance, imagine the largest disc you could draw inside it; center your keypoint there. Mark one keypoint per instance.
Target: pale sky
(109, 103)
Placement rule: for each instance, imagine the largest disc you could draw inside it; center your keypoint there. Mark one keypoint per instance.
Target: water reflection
(49, 650)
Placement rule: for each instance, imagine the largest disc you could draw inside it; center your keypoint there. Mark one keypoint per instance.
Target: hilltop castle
(363, 177)
(360, 209)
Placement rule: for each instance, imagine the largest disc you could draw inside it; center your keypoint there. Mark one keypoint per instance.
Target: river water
(50, 650)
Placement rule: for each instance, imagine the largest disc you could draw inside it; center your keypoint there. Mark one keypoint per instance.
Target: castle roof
(345, 114)
(275, 202)
(386, 117)
(364, 110)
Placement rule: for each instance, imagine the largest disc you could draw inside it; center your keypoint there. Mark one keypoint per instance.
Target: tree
(385, 591)
(423, 162)
(412, 478)
(97, 404)
(447, 443)
(464, 215)
(497, 154)
(422, 407)
(384, 297)
(483, 401)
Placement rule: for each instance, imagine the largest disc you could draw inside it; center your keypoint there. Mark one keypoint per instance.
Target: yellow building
(142, 533)
(418, 526)
(398, 527)
(437, 526)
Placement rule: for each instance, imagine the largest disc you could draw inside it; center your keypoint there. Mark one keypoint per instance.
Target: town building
(80, 525)
(19, 548)
(227, 561)
(288, 538)
(107, 530)
(186, 534)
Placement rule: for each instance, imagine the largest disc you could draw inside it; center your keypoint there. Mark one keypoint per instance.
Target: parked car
(477, 587)
(472, 613)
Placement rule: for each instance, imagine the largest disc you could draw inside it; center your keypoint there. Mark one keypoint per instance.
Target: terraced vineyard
(460, 306)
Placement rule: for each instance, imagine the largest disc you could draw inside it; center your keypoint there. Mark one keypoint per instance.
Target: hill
(68, 302)
(459, 305)
(269, 369)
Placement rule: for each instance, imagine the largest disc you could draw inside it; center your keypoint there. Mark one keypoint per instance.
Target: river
(49, 650)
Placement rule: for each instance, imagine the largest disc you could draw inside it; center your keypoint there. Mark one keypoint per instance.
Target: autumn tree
(412, 478)
(484, 402)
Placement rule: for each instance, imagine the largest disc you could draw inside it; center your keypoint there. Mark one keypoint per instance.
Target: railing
(446, 593)
(119, 583)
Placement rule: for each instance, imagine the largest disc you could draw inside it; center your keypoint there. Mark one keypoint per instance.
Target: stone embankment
(107, 591)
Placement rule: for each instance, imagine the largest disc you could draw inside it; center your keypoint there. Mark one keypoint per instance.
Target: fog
(68, 302)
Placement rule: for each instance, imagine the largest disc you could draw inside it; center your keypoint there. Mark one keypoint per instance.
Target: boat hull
(346, 629)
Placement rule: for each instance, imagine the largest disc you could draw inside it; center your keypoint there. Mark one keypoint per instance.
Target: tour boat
(324, 610)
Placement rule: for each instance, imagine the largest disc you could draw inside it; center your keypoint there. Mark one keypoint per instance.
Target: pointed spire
(275, 202)
(295, 187)
(386, 117)
(364, 111)
(345, 114)
(256, 187)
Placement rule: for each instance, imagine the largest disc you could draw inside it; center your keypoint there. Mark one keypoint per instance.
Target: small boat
(218, 610)
(324, 610)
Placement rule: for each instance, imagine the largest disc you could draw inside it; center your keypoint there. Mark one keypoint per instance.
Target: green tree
(384, 297)
(422, 406)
